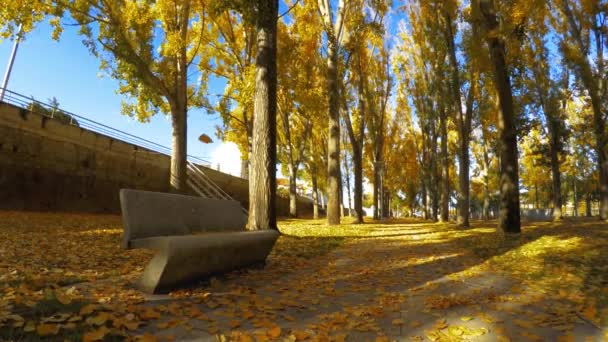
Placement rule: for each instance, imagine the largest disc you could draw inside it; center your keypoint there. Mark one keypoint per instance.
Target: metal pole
(9, 67)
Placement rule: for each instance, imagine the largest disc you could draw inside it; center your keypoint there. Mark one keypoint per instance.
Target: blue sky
(66, 70)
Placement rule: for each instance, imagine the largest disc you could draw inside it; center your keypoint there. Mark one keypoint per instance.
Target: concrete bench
(194, 237)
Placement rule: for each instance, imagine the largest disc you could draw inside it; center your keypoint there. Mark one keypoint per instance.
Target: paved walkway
(407, 283)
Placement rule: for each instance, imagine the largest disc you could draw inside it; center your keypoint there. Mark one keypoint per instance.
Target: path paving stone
(405, 287)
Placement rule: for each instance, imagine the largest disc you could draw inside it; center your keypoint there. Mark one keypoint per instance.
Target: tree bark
(445, 167)
(245, 168)
(179, 167)
(509, 218)
(262, 183)
(315, 197)
(333, 141)
(376, 191)
(486, 181)
(588, 205)
(293, 195)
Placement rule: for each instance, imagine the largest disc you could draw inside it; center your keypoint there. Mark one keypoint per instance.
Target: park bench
(193, 237)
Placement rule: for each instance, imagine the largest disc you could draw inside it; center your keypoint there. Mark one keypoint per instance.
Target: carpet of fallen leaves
(65, 277)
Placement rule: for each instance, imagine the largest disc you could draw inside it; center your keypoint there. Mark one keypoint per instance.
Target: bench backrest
(148, 214)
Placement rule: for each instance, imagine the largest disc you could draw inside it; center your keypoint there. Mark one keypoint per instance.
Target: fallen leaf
(95, 335)
(47, 329)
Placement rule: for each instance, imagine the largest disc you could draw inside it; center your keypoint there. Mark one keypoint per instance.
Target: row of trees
(457, 87)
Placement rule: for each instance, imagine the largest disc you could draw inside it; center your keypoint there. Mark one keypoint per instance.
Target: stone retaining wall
(48, 165)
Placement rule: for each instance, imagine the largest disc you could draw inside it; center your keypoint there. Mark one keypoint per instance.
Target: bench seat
(193, 237)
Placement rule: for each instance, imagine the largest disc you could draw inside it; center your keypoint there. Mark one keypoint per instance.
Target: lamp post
(11, 61)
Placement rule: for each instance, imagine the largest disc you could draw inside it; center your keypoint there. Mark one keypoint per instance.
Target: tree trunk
(293, 196)
(315, 197)
(536, 205)
(436, 181)
(555, 175)
(179, 166)
(445, 168)
(376, 192)
(333, 141)
(262, 182)
(574, 197)
(358, 191)
(486, 181)
(509, 217)
(245, 168)
(588, 205)
(593, 85)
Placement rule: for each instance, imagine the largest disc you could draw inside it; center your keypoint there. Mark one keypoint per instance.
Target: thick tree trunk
(486, 182)
(333, 141)
(293, 196)
(423, 197)
(179, 167)
(509, 218)
(262, 182)
(315, 197)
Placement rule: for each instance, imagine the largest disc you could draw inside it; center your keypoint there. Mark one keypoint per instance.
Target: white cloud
(228, 157)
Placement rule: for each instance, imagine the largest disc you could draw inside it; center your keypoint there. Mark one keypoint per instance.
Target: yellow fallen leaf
(100, 319)
(146, 338)
(63, 298)
(95, 335)
(30, 326)
(455, 330)
(415, 324)
(247, 314)
(382, 339)
(274, 332)
(466, 318)
(398, 321)
(300, 334)
(47, 329)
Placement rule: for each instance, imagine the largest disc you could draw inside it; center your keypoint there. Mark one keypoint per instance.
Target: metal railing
(200, 183)
(45, 109)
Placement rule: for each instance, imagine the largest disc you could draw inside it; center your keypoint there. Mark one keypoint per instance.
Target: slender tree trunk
(588, 205)
(293, 196)
(509, 218)
(333, 141)
(555, 174)
(436, 181)
(486, 182)
(245, 168)
(315, 196)
(536, 205)
(358, 171)
(425, 208)
(574, 197)
(445, 168)
(376, 191)
(262, 183)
